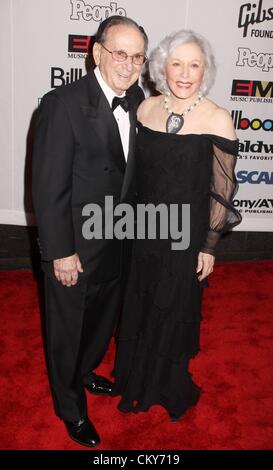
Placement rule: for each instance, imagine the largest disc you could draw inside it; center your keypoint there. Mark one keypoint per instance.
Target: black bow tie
(123, 102)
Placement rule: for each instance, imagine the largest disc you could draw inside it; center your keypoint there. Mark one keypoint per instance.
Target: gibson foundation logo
(81, 10)
(254, 13)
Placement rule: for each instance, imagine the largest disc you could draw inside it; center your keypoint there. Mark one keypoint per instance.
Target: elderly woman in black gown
(186, 153)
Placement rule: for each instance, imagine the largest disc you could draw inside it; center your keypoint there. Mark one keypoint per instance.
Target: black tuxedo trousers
(80, 322)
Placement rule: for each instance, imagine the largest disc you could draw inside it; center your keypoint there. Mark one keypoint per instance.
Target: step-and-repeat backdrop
(44, 45)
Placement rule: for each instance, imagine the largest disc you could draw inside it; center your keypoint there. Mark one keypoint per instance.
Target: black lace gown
(159, 329)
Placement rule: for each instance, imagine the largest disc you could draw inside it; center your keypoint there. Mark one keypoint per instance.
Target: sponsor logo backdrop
(44, 45)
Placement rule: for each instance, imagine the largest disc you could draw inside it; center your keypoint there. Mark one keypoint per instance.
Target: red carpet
(234, 370)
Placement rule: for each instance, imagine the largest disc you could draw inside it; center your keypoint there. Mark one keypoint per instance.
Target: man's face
(119, 75)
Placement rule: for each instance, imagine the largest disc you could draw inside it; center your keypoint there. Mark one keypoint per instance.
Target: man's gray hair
(117, 20)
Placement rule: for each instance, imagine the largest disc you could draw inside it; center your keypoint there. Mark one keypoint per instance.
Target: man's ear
(97, 52)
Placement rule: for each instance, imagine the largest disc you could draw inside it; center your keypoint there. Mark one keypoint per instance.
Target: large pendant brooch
(174, 123)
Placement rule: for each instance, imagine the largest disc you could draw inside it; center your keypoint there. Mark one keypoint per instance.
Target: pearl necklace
(175, 121)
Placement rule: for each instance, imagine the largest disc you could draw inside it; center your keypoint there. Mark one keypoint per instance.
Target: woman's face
(184, 70)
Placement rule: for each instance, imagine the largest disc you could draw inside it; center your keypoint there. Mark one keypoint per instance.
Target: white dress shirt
(121, 116)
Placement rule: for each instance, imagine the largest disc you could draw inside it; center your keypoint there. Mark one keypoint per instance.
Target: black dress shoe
(83, 432)
(98, 385)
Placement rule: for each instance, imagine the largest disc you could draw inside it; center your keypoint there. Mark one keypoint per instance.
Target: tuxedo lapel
(103, 122)
(135, 96)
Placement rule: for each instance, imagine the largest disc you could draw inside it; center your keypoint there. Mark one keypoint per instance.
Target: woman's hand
(205, 265)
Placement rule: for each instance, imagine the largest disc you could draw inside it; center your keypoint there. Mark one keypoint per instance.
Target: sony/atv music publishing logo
(254, 206)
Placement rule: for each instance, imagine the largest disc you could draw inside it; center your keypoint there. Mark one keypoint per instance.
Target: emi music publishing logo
(255, 91)
(79, 46)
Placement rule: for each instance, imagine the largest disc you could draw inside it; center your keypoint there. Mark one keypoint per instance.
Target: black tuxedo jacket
(78, 159)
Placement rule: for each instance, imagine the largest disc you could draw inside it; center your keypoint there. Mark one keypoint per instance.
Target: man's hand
(204, 265)
(66, 270)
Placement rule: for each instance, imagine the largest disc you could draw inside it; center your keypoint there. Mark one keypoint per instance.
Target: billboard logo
(82, 10)
(243, 123)
(254, 13)
(261, 60)
(60, 77)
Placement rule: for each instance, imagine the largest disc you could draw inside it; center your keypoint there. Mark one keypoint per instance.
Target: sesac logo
(254, 13)
(254, 205)
(60, 77)
(81, 10)
(254, 177)
(261, 60)
(243, 123)
(252, 91)
(79, 46)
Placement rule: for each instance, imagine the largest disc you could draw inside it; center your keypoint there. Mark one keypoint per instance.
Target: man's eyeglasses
(121, 56)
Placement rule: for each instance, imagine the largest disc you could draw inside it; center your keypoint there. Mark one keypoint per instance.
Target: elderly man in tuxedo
(84, 151)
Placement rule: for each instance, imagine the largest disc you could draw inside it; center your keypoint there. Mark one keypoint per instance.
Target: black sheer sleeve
(223, 216)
